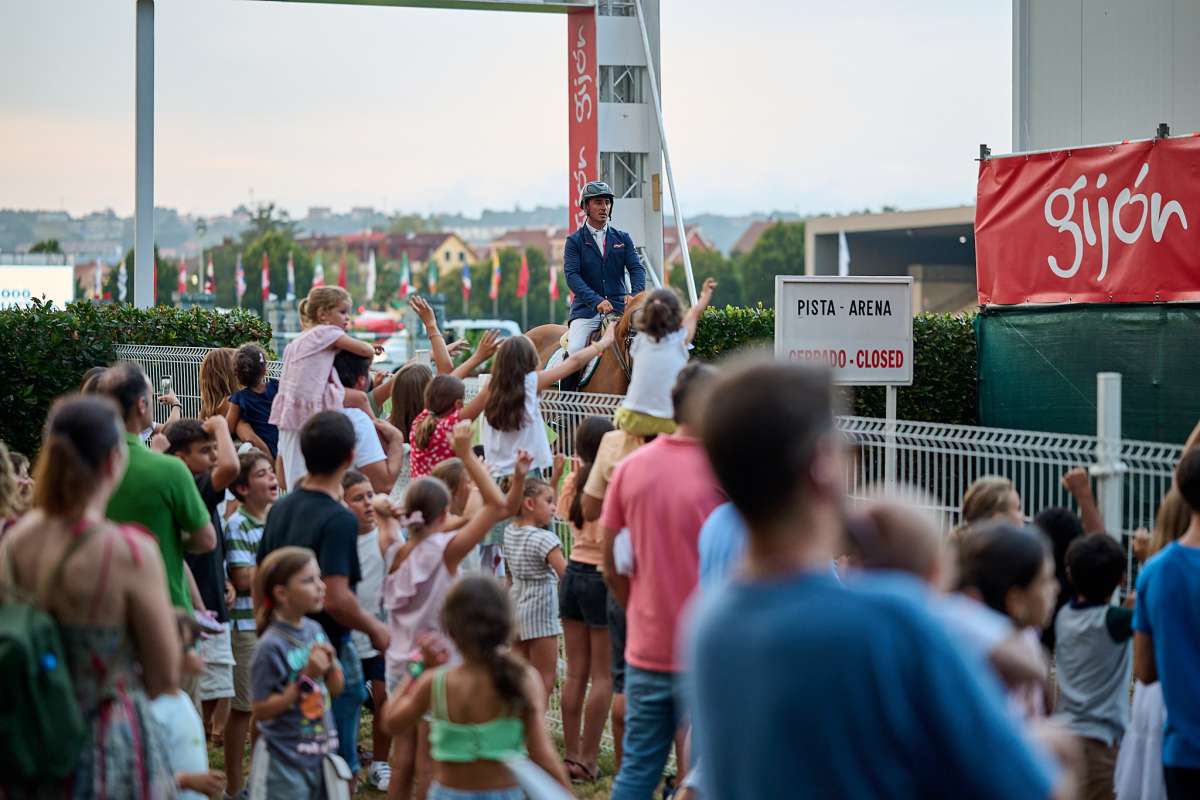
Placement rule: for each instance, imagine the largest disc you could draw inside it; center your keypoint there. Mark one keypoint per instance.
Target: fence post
(1109, 470)
(889, 458)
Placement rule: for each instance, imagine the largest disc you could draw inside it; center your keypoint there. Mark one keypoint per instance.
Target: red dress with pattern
(424, 459)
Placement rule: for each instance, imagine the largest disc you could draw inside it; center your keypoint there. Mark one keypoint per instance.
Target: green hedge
(44, 352)
(944, 370)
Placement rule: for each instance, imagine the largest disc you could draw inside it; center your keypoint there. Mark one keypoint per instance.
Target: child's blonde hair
(218, 379)
(321, 299)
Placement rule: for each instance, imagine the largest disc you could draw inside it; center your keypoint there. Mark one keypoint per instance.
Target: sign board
(1110, 224)
(20, 284)
(859, 327)
(583, 100)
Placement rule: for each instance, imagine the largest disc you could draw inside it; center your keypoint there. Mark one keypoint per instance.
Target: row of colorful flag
(406, 287)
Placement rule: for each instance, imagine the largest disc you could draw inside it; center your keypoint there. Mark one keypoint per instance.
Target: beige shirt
(613, 447)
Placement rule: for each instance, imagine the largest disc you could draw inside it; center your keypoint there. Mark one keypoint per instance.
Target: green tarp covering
(1037, 367)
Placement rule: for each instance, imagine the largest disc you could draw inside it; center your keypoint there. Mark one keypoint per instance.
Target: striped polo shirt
(242, 534)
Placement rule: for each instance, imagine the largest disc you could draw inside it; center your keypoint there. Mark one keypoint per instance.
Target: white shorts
(294, 465)
(216, 682)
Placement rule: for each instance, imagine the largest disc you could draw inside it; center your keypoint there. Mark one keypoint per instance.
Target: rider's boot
(570, 383)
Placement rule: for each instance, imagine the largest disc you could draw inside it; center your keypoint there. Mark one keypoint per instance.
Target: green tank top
(496, 740)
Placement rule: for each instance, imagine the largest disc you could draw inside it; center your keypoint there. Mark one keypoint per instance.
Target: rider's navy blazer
(594, 278)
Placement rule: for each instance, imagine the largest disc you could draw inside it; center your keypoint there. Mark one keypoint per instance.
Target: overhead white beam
(548, 7)
(143, 190)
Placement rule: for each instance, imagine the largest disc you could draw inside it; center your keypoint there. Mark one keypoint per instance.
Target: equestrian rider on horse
(596, 259)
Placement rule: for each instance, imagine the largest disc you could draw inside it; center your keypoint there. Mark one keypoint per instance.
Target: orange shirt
(586, 544)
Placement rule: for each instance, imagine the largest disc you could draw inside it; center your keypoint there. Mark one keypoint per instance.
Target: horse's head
(625, 328)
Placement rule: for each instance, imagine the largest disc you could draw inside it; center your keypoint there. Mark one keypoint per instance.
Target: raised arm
(692, 318)
(1077, 482)
(486, 349)
(516, 487)
(441, 356)
(577, 361)
(493, 509)
(355, 346)
(226, 470)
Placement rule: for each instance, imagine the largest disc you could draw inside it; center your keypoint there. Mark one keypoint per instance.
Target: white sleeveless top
(500, 447)
(656, 365)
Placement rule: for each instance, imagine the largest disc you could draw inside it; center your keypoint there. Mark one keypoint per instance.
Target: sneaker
(378, 775)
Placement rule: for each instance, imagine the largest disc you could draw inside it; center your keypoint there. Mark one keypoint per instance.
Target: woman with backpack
(87, 627)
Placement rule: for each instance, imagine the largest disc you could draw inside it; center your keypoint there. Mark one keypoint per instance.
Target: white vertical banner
(843, 255)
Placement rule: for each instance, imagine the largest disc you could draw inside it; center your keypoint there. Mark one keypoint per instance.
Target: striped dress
(534, 583)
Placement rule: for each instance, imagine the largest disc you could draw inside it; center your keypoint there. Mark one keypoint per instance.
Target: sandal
(580, 772)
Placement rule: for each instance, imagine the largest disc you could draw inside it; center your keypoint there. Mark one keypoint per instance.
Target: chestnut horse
(610, 377)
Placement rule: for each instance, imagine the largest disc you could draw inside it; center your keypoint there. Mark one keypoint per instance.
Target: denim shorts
(582, 595)
(439, 792)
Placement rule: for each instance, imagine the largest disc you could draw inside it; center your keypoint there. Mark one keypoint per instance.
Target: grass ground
(602, 789)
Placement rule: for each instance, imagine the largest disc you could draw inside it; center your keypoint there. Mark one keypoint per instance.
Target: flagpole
(525, 311)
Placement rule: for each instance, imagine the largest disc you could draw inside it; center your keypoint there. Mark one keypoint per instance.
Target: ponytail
(587, 443)
(441, 395)
(425, 431)
(321, 299)
(508, 676)
(478, 616)
(81, 433)
(425, 501)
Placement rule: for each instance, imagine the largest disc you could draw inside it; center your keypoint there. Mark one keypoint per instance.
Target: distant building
(448, 250)
(935, 246)
(750, 237)
(550, 241)
(695, 239)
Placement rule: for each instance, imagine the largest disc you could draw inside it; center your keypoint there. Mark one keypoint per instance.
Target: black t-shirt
(315, 520)
(209, 568)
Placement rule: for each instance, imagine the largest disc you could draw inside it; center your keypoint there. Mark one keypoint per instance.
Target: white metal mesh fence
(940, 460)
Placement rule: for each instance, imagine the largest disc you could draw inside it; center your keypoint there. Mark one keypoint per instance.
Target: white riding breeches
(580, 330)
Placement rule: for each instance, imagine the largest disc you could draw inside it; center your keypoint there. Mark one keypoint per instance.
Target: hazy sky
(770, 104)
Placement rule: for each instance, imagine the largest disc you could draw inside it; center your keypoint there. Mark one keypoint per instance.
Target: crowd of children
(235, 581)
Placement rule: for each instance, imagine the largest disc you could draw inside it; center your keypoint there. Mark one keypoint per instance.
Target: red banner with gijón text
(1109, 224)
(583, 128)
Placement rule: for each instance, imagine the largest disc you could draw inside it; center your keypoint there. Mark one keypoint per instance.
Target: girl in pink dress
(309, 384)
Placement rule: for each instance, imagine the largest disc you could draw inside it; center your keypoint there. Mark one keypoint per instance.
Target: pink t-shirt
(309, 383)
(664, 527)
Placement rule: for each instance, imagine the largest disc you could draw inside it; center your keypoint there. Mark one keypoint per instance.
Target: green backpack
(40, 722)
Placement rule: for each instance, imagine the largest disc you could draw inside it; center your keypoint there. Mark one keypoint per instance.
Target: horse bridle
(621, 350)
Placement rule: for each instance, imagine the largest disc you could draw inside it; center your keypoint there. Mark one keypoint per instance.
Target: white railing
(940, 460)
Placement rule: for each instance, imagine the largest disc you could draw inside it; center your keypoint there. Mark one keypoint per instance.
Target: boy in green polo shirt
(157, 491)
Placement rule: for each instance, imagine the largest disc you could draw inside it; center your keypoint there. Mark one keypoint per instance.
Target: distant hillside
(105, 235)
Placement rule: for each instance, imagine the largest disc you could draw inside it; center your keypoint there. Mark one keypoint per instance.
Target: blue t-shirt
(846, 692)
(256, 410)
(1168, 595)
(722, 542)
